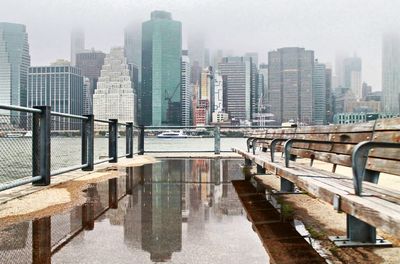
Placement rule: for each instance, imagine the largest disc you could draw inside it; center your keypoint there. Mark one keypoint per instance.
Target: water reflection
(175, 210)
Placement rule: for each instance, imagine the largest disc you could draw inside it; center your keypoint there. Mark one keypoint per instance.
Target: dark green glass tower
(161, 70)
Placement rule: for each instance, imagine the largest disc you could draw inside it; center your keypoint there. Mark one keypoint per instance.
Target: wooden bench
(368, 148)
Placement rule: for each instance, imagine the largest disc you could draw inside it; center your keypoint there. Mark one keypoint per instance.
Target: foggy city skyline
(327, 27)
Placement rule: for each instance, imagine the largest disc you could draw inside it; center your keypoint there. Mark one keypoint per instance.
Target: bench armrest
(251, 140)
(359, 158)
(289, 143)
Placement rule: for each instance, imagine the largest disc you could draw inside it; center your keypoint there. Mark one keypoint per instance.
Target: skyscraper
(196, 48)
(133, 52)
(391, 73)
(161, 70)
(114, 97)
(90, 63)
(186, 89)
(77, 43)
(352, 75)
(264, 72)
(61, 87)
(290, 84)
(319, 94)
(14, 63)
(237, 76)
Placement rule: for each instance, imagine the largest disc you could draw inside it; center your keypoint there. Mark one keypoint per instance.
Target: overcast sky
(325, 26)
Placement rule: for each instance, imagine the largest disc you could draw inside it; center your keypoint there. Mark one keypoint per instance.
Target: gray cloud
(326, 26)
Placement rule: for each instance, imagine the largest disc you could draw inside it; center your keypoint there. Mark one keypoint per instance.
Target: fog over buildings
(327, 27)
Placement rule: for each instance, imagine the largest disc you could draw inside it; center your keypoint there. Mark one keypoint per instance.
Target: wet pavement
(177, 211)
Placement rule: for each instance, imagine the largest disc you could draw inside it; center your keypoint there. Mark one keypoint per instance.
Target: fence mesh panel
(15, 146)
(100, 140)
(121, 140)
(66, 142)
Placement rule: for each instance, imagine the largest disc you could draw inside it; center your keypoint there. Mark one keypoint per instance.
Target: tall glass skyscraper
(14, 63)
(161, 70)
(391, 73)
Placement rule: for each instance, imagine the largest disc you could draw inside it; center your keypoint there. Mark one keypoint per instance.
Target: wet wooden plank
(340, 159)
(364, 208)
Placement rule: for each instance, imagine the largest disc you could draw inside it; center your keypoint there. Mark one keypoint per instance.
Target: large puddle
(178, 211)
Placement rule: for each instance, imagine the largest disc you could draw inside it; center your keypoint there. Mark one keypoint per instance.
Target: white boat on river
(172, 134)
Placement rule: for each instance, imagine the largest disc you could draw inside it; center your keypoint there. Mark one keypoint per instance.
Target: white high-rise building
(186, 89)
(114, 97)
(391, 73)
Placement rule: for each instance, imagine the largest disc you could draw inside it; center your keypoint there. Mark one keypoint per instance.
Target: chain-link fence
(66, 142)
(15, 146)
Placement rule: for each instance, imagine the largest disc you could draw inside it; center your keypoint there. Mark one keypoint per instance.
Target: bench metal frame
(359, 233)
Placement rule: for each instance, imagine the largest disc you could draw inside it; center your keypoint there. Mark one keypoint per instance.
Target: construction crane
(174, 108)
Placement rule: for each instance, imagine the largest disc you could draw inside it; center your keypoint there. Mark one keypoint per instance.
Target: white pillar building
(114, 96)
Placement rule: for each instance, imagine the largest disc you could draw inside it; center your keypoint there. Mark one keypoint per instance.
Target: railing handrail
(68, 115)
(19, 108)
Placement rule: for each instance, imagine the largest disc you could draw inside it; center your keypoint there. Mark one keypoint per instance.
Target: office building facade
(186, 90)
(161, 70)
(238, 81)
(290, 84)
(352, 76)
(391, 73)
(90, 63)
(14, 63)
(319, 94)
(62, 88)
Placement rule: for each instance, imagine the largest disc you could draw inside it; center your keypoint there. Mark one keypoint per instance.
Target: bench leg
(260, 169)
(286, 186)
(247, 162)
(359, 233)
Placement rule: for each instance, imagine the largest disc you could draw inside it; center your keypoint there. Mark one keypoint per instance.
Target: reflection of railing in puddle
(150, 202)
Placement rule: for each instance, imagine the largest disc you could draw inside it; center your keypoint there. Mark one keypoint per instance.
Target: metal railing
(48, 133)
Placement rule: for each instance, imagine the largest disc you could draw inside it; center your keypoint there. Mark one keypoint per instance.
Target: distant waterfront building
(290, 84)
(195, 72)
(90, 63)
(391, 73)
(352, 76)
(253, 56)
(59, 86)
(351, 118)
(217, 59)
(329, 95)
(77, 43)
(87, 97)
(263, 70)
(14, 63)
(319, 94)
(186, 90)
(161, 70)
(114, 97)
(237, 76)
(366, 89)
(218, 93)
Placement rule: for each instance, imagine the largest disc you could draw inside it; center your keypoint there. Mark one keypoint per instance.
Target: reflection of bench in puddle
(280, 238)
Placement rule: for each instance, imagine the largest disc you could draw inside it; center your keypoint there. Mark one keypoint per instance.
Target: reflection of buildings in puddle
(162, 209)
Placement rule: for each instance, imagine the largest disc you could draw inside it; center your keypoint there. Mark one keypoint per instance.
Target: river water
(16, 153)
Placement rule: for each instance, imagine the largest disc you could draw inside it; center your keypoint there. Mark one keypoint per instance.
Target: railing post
(88, 142)
(129, 140)
(112, 140)
(217, 140)
(41, 145)
(141, 140)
